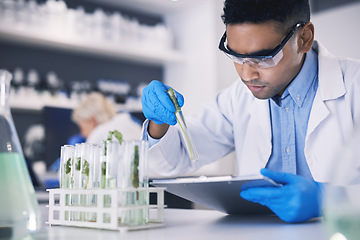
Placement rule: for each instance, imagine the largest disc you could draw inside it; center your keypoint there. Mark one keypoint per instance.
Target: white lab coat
(236, 120)
(121, 122)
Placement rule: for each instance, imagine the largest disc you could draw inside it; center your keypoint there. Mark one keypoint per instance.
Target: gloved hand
(157, 105)
(298, 200)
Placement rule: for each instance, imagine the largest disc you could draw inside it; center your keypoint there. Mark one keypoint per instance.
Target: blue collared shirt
(289, 120)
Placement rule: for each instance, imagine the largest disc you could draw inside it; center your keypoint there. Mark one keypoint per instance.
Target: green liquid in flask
(18, 205)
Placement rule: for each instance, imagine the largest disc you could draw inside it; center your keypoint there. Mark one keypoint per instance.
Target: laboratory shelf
(157, 7)
(60, 41)
(36, 104)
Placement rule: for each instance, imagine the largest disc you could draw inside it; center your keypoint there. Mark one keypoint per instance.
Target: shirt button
(287, 108)
(287, 150)
(298, 98)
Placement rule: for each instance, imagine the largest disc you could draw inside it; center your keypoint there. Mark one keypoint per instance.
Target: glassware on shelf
(55, 19)
(19, 213)
(342, 194)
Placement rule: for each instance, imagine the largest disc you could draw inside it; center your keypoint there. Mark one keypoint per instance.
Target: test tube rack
(107, 215)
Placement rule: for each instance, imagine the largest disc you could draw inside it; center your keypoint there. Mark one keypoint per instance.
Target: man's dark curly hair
(285, 12)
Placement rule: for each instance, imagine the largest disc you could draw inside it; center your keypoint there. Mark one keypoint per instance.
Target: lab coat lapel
(260, 113)
(318, 114)
(330, 87)
(257, 145)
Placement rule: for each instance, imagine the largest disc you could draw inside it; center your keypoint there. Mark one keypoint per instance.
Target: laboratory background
(60, 51)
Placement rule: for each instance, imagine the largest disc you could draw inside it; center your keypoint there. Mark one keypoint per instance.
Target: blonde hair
(94, 105)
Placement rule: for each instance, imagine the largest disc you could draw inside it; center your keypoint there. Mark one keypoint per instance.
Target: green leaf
(103, 175)
(118, 136)
(68, 166)
(77, 164)
(85, 168)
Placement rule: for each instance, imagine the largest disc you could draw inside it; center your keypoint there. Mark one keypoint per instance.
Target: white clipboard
(219, 193)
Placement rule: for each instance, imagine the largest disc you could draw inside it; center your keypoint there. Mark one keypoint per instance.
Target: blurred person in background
(96, 116)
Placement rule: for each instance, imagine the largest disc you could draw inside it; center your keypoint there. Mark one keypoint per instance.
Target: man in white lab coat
(292, 108)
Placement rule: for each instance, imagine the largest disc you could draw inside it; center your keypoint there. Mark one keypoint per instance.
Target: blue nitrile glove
(298, 200)
(157, 105)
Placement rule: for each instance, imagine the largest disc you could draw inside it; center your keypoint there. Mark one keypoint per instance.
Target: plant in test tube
(103, 175)
(108, 171)
(135, 162)
(77, 164)
(85, 171)
(68, 166)
(135, 168)
(119, 137)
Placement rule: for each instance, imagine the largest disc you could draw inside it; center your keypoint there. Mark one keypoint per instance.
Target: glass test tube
(135, 175)
(76, 169)
(66, 174)
(111, 154)
(89, 154)
(114, 155)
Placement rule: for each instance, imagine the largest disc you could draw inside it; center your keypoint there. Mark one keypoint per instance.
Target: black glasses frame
(271, 54)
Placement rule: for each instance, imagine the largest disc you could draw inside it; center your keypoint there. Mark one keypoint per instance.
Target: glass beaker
(342, 194)
(19, 211)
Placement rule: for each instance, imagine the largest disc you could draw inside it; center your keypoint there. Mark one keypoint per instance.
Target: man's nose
(248, 72)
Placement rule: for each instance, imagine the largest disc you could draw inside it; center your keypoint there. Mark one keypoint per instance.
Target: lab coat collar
(331, 85)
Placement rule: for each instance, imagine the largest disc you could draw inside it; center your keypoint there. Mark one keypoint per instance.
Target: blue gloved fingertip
(180, 99)
(265, 171)
(244, 194)
(173, 123)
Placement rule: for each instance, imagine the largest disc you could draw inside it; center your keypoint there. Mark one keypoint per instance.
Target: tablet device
(219, 193)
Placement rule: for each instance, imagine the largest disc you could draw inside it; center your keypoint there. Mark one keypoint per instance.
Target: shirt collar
(300, 86)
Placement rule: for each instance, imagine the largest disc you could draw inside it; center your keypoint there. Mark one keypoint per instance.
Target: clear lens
(258, 63)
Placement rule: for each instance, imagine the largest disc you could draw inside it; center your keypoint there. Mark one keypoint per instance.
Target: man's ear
(306, 37)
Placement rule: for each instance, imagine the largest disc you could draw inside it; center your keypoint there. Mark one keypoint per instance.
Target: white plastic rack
(108, 210)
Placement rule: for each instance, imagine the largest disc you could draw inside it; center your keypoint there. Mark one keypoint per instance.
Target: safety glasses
(271, 59)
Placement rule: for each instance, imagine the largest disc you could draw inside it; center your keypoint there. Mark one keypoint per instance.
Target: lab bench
(195, 224)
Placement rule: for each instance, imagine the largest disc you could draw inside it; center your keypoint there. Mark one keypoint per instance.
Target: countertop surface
(195, 224)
